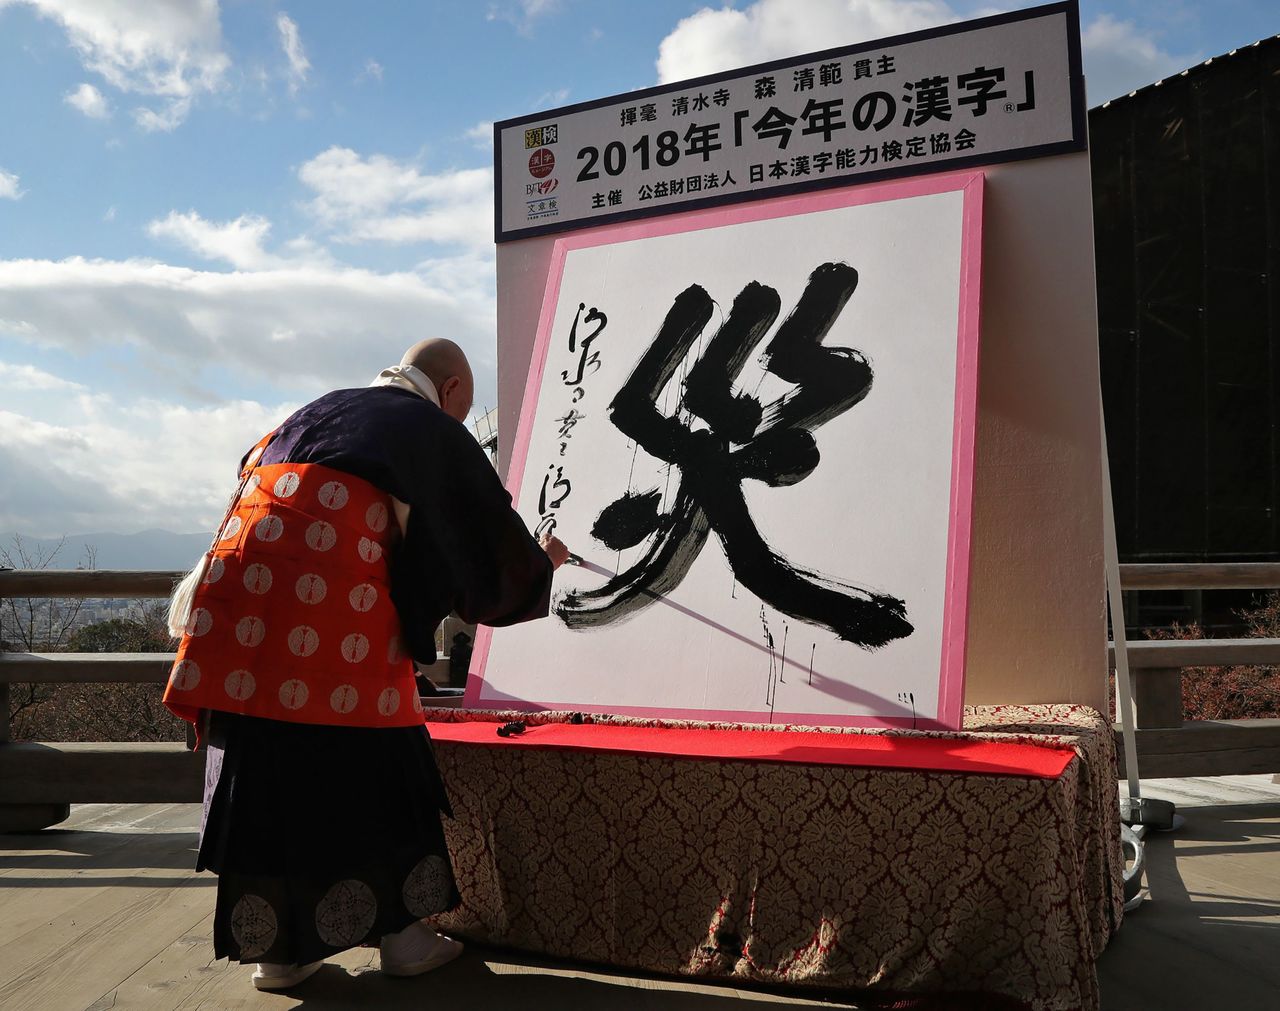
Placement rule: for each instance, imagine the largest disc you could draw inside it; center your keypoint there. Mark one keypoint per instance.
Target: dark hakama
(340, 844)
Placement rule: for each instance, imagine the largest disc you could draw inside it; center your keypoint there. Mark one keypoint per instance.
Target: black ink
(586, 357)
(628, 521)
(770, 443)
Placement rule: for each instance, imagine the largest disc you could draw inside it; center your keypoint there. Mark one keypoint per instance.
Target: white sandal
(272, 976)
(417, 949)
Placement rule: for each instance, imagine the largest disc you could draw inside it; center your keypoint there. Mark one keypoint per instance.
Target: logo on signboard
(542, 207)
(542, 188)
(540, 136)
(541, 163)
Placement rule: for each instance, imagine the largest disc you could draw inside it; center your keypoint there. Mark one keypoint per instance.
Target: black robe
(328, 837)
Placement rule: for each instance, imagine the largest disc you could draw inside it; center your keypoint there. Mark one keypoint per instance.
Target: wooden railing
(1168, 745)
(39, 780)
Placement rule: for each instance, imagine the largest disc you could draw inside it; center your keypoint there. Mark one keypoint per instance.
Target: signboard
(756, 425)
(985, 91)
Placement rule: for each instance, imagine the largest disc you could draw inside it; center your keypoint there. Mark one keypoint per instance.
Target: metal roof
(1197, 69)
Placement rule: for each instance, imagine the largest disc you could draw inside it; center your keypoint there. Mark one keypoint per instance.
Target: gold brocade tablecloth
(904, 885)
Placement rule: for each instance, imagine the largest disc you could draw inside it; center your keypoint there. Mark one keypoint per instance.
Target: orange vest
(294, 619)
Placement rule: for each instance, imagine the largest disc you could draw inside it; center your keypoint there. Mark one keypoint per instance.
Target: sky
(212, 211)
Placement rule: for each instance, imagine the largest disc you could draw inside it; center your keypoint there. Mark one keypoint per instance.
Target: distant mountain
(150, 549)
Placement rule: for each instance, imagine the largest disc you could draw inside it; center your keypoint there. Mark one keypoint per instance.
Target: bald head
(446, 365)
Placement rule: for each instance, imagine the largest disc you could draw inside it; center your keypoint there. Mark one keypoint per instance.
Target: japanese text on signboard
(987, 91)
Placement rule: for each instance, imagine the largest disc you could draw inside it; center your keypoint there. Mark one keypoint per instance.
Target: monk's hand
(555, 549)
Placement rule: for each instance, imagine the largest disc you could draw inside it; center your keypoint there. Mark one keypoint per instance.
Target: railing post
(1157, 697)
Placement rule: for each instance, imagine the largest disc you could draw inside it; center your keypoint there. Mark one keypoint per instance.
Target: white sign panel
(985, 91)
(755, 424)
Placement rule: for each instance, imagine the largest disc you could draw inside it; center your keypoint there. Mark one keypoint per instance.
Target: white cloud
(29, 378)
(165, 119)
(481, 135)
(291, 43)
(378, 198)
(110, 214)
(239, 242)
(373, 70)
(550, 98)
(9, 186)
(184, 327)
(88, 100)
(523, 13)
(1119, 57)
(125, 466)
(710, 41)
(170, 50)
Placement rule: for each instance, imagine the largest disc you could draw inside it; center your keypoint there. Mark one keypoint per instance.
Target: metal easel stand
(1139, 814)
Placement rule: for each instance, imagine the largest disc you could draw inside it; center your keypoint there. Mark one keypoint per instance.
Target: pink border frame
(956, 604)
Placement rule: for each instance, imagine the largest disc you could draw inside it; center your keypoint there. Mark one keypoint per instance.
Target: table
(902, 884)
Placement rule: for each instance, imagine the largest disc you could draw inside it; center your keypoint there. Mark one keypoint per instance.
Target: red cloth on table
(947, 754)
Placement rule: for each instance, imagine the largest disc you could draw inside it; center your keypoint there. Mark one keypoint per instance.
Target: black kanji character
(702, 139)
(744, 439)
(774, 123)
(980, 83)
(823, 117)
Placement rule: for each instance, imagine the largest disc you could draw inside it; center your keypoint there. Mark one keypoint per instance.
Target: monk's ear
(449, 387)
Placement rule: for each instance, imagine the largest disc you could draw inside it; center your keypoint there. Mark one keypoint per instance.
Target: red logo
(541, 163)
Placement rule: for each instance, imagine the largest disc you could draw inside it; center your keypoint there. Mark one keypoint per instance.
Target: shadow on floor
(1207, 935)
(470, 983)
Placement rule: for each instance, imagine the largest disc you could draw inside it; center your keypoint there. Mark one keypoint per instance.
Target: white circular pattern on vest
(343, 699)
(251, 485)
(214, 571)
(370, 550)
(253, 926)
(426, 889)
(185, 676)
(250, 631)
(363, 597)
(257, 578)
(395, 651)
(388, 701)
(333, 495)
(310, 588)
(240, 684)
(346, 913)
(417, 703)
(303, 641)
(294, 694)
(321, 536)
(231, 529)
(199, 623)
(355, 647)
(287, 484)
(269, 528)
(376, 517)
(254, 456)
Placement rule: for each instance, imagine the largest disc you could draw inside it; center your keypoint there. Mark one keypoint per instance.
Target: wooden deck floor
(104, 912)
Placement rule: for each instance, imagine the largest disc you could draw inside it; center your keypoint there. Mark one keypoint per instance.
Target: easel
(1137, 813)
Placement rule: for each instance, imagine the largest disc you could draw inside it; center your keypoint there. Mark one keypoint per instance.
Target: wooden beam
(1157, 697)
(85, 668)
(87, 583)
(1175, 653)
(100, 773)
(1200, 576)
(1207, 748)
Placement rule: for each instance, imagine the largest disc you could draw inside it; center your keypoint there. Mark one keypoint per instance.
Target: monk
(358, 525)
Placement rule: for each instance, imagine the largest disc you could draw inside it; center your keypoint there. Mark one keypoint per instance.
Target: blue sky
(212, 211)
